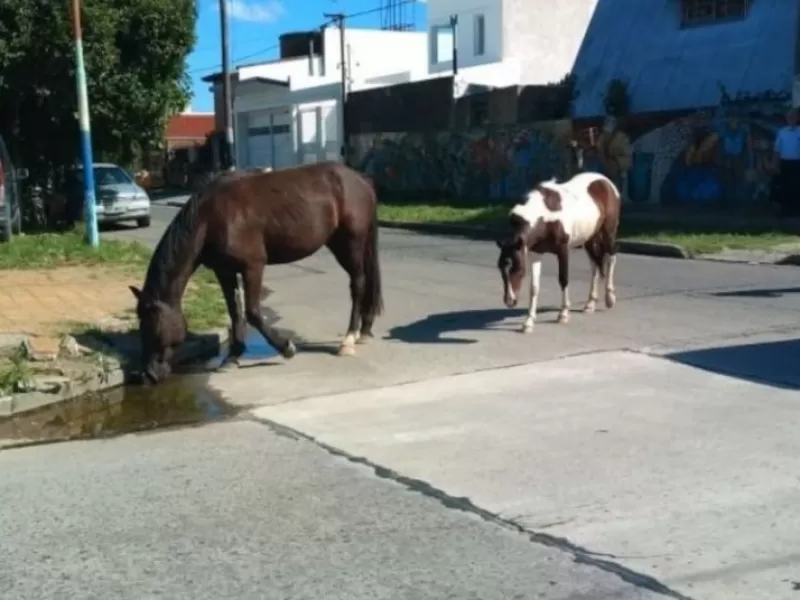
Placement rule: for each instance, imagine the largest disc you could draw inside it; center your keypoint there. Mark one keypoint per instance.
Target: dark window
(702, 12)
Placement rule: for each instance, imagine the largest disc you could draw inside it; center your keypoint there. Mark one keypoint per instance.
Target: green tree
(135, 54)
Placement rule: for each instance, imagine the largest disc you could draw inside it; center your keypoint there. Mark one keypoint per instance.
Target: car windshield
(104, 175)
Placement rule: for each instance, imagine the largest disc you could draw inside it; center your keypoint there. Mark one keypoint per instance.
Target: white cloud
(255, 11)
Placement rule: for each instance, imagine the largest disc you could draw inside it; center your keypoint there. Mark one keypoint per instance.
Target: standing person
(787, 159)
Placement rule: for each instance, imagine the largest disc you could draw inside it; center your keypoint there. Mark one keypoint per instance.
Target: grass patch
(203, 303)
(695, 238)
(14, 371)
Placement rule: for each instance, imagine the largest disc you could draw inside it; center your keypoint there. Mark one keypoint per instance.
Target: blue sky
(255, 26)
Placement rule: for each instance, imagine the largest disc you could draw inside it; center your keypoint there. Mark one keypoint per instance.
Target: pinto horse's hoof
(611, 300)
(289, 350)
(365, 338)
(527, 328)
(590, 307)
(563, 317)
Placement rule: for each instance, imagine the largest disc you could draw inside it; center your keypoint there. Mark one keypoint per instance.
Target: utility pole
(229, 159)
(338, 18)
(92, 233)
(454, 26)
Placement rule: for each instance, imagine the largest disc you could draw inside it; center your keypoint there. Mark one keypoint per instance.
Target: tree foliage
(134, 53)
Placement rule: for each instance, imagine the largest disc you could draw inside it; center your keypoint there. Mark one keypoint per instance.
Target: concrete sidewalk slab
(685, 475)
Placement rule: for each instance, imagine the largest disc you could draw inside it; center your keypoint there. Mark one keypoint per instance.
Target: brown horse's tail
(372, 304)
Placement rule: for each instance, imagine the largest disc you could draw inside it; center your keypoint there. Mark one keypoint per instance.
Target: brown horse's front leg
(252, 309)
(229, 284)
(563, 281)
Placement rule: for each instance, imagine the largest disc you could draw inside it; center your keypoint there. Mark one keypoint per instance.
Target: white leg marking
(563, 316)
(348, 346)
(611, 296)
(536, 275)
(591, 303)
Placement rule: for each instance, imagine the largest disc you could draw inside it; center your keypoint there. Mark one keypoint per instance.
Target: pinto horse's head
(511, 263)
(162, 329)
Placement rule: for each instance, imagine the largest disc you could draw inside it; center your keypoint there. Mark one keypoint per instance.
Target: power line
(236, 60)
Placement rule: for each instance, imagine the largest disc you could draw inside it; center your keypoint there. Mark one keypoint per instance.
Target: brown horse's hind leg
(253, 277)
(229, 285)
(348, 250)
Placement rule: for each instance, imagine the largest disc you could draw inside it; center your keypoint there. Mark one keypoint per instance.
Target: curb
(658, 249)
(203, 344)
(176, 203)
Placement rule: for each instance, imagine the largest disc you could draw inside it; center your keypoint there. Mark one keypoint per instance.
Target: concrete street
(645, 451)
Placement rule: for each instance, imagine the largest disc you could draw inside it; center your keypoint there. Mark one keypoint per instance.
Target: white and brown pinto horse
(557, 217)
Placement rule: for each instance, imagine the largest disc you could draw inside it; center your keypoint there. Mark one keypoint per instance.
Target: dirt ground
(46, 302)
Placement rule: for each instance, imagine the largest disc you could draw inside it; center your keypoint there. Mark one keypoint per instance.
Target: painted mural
(500, 163)
(717, 158)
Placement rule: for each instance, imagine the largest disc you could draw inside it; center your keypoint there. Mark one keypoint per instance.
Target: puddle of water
(257, 350)
(126, 409)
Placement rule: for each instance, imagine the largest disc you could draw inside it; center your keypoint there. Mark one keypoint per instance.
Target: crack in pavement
(579, 554)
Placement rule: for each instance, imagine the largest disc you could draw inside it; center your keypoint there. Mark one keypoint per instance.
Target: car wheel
(143, 222)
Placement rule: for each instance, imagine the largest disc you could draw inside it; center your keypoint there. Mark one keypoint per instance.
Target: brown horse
(557, 217)
(241, 221)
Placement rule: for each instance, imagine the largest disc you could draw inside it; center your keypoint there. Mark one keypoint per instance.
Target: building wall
(545, 36)
(439, 13)
(679, 159)
(526, 41)
(313, 97)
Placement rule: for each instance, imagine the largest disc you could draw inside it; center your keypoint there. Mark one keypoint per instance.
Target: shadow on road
(771, 363)
(433, 328)
(759, 293)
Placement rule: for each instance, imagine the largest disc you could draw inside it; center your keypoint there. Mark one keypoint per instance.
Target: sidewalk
(43, 302)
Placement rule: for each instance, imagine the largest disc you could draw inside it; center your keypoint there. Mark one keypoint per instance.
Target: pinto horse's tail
(372, 303)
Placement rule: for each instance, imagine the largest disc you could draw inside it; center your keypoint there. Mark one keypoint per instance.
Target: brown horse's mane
(171, 249)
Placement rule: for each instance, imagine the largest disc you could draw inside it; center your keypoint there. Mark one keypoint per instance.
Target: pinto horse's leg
(229, 284)
(536, 276)
(253, 278)
(595, 257)
(563, 281)
(349, 253)
(611, 295)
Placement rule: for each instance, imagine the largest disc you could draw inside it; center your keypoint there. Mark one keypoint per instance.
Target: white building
(288, 111)
(502, 43)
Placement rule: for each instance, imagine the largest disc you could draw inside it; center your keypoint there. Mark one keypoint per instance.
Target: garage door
(269, 140)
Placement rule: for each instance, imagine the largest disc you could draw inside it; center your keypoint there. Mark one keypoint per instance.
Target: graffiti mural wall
(471, 165)
(716, 158)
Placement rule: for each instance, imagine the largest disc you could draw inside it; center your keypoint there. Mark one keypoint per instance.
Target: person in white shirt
(787, 159)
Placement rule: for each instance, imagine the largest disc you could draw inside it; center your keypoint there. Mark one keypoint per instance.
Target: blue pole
(92, 233)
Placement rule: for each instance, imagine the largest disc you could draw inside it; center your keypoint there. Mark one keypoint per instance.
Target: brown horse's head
(511, 264)
(162, 329)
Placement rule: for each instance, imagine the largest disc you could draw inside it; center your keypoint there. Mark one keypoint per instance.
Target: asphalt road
(645, 451)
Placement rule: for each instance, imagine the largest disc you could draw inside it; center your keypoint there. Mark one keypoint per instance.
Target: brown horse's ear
(499, 244)
(137, 293)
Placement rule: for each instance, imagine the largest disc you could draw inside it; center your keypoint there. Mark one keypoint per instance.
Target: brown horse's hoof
(346, 350)
(289, 350)
(365, 338)
(611, 299)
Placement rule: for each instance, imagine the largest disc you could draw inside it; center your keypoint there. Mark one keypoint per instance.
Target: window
(479, 35)
(441, 44)
(701, 12)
